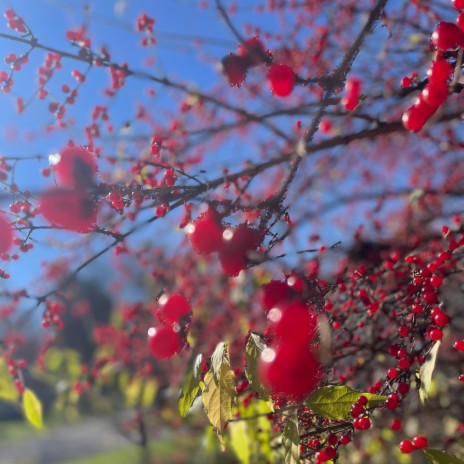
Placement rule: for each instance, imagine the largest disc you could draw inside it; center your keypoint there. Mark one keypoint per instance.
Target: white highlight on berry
(190, 228)
(228, 234)
(268, 355)
(163, 299)
(151, 332)
(274, 315)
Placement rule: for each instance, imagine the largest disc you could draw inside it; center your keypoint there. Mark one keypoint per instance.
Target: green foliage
(335, 402)
(254, 348)
(32, 408)
(291, 441)
(190, 386)
(426, 372)
(8, 390)
(440, 457)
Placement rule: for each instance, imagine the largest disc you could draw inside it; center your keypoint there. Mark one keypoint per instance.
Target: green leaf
(150, 388)
(335, 402)
(254, 348)
(219, 357)
(218, 398)
(240, 440)
(291, 441)
(190, 386)
(426, 372)
(32, 408)
(440, 457)
(8, 390)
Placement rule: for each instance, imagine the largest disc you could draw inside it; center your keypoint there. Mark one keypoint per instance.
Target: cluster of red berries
(6, 234)
(208, 235)
(175, 315)
(289, 367)
(447, 36)
(408, 446)
(72, 205)
(146, 24)
(360, 420)
(251, 53)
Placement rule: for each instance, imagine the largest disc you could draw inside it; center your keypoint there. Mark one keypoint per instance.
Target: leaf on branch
(150, 389)
(190, 386)
(219, 357)
(335, 402)
(291, 441)
(254, 348)
(440, 457)
(240, 440)
(426, 372)
(8, 390)
(32, 408)
(218, 398)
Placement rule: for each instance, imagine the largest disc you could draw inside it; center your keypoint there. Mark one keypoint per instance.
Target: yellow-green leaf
(150, 388)
(440, 457)
(8, 390)
(335, 402)
(218, 397)
(240, 440)
(133, 392)
(190, 386)
(254, 348)
(426, 372)
(32, 408)
(291, 441)
(219, 357)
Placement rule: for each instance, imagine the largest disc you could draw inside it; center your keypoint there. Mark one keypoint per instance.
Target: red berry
(164, 342)
(403, 331)
(435, 94)
(460, 21)
(436, 335)
(459, 345)
(458, 4)
(236, 243)
(407, 447)
(436, 281)
(440, 71)
(205, 232)
(415, 117)
(273, 292)
(6, 234)
(352, 91)
(447, 36)
(440, 318)
(69, 209)
(174, 309)
(396, 424)
(76, 167)
(235, 69)
(420, 441)
(289, 370)
(281, 79)
(293, 323)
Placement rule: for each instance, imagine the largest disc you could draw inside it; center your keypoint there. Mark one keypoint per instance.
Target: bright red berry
(420, 441)
(289, 370)
(164, 342)
(407, 447)
(458, 4)
(447, 36)
(174, 309)
(459, 345)
(281, 79)
(440, 71)
(205, 232)
(396, 424)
